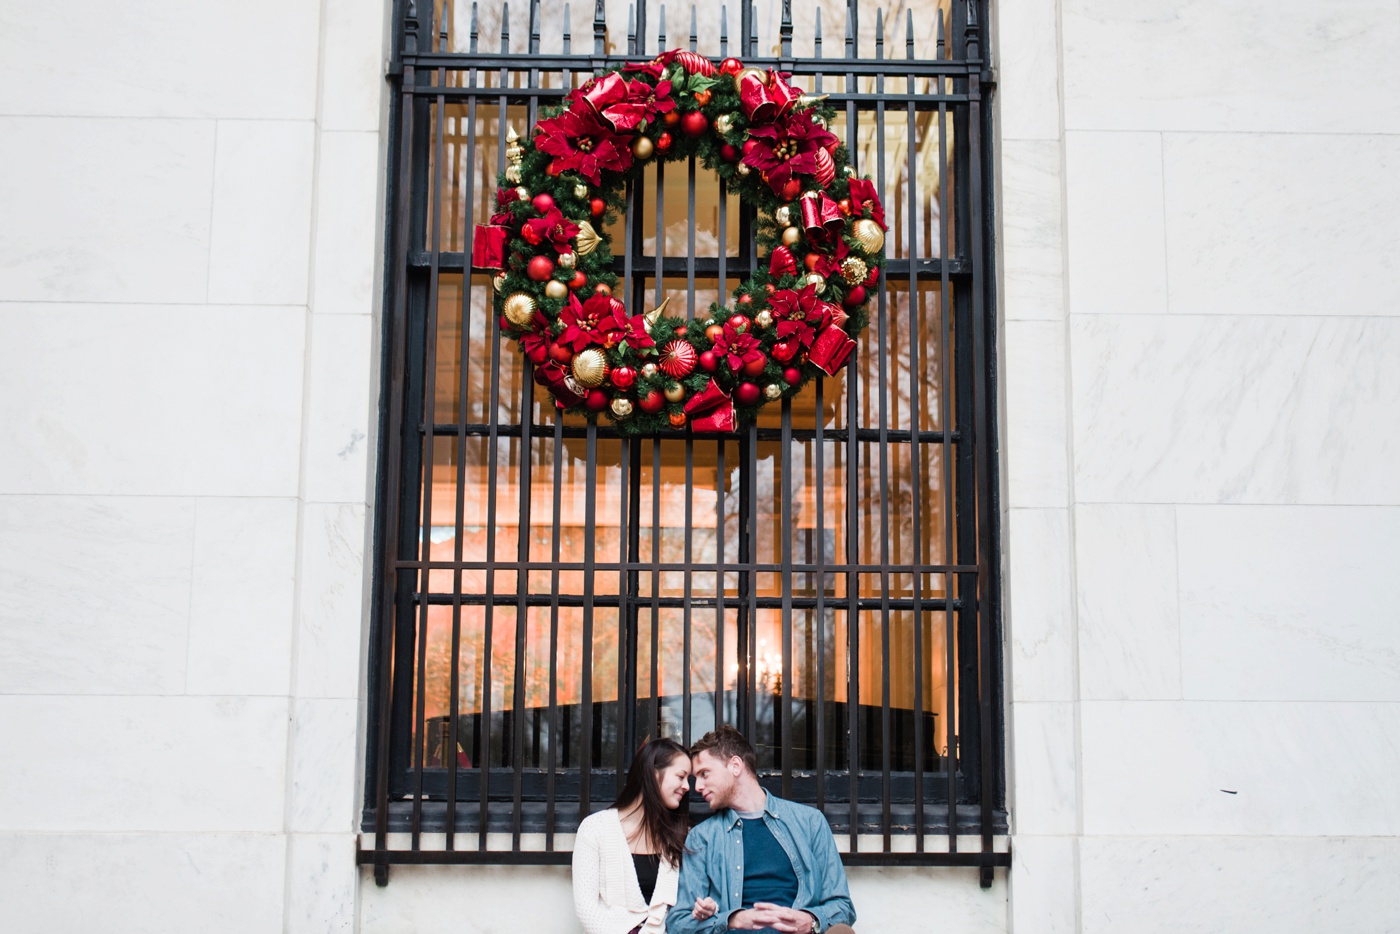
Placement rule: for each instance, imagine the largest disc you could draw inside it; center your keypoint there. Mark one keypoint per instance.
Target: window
(550, 593)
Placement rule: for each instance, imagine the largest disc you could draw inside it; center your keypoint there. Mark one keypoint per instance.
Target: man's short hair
(724, 742)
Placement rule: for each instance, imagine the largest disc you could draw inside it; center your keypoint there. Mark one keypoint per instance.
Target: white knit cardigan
(607, 896)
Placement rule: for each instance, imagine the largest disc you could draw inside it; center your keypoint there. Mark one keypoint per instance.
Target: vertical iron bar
(785, 463)
(721, 476)
(820, 443)
(852, 505)
(655, 673)
(590, 515)
(554, 557)
(882, 317)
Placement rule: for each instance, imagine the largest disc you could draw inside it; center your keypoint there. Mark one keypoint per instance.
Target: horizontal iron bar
(831, 601)
(829, 67)
(797, 567)
(706, 267)
(829, 435)
(521, 96)
(364, 857)
(928, 859)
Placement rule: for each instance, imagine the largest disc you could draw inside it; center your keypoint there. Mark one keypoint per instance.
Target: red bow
(762, 101)
(821, 217)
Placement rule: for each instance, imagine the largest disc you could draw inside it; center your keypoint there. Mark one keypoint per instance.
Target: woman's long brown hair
(665, 828)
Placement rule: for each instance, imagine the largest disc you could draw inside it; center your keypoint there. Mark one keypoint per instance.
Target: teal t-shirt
(768, 873)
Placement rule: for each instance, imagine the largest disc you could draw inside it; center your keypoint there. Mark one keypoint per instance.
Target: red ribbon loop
(830, 350)
(821, 217)
(706, 399)
(489, 246)
(765, 102)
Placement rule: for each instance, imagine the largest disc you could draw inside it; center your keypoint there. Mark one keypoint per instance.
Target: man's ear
(736, 766)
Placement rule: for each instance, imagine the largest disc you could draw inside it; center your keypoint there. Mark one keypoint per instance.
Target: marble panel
(1115, 221)
(260, 244)
(1245, 234)
(1040, 626)
(134, 884)
(321, 896)
(1290, 603)
(146, 58)
(112, 210)
(143, 764)
(167, 401)
(1231, 67)
(94, 594)
(1129, 623)
(241, 608)
(1271, 885)
(1240, 768)
(349, 182)
(354, 49)
(1044, 885)
(1032, 223)
(1037, 414)
(891, 899)
(1044, 779)
(1028, 89)
(325, 740)
(1236, 409)
(340, 397)
(331, 630)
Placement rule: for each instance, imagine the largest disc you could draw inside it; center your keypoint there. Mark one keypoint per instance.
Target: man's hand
(767, 915)
(705, 907)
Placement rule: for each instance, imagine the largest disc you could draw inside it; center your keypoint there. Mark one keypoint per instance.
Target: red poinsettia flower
(536, 340)
(579, 140)
(591, 323)
(798, 315)
(656, 67)
(863, 193)
(554, 228)
(633, 330)
(652, 100)
(829, 262)
(738, 347)
(787, 147)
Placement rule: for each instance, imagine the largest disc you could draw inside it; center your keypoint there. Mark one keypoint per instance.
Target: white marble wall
(188, 271)
(1198, 252)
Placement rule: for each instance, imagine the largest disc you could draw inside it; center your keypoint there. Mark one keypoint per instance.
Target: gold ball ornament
(580, 191)
(513, 174)
(621, 407)
(764, 319)
(568, 260)
(854, 270)
(743, 170)
(783, 215)
(791, 236)
(590, 367)
(724, 124)
(499, 280)
(772, 390)
(556, 289)
(758, 73)
(674, 392)
(519, 309)
(522, 193)
(649, 370)
(869, 235)
(815, 279)
(850, 171)
(643, 147)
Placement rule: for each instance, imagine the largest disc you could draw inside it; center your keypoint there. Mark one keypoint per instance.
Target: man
(759, 863)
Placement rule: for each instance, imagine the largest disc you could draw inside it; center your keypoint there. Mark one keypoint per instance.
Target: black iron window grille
(549, 593)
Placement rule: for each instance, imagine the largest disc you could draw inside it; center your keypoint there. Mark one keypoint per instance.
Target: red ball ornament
(672, 118)
(747, 394)
(663, 143)
(561, 354)
(749, 144)
(740, 322)
(785, 350)
(770, 288)
(538, 354)
(694, 124)
(731, 66)
(652, 402)
(755, 366)
(530, 235)
(744, 299)
(811, 260)
(543, 202)
(597, 206)
(702, 97)
(844, 205)
(540, 268)
(855, 297)
(714, 332)
(623, 377)
(729, 153)
(553, 170)
(579, 280)
(792, 376)
(602, 288)
(677, 419)
(792, 189)
(708, 361)
(677, 359)
(874, 276)
(596, 400)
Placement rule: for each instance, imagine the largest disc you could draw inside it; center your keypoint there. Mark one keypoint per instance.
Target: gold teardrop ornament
(590, 367)
(587, 239)
(869, 235)
(519, 309)
(654, 315)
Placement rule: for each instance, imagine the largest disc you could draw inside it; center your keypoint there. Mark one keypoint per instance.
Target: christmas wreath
(821, 228)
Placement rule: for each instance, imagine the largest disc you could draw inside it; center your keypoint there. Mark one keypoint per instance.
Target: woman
(627, 858)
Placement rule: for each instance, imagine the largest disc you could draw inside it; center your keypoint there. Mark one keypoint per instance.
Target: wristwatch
(816, 923)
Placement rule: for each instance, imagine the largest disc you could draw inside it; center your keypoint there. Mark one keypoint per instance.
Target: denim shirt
(714, 867)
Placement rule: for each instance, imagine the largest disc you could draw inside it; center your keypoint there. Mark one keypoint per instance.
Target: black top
(646, 864)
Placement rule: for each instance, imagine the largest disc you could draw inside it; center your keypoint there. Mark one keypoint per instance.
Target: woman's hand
(704, 908)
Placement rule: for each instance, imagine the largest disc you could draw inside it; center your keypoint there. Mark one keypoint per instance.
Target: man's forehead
(707, 759)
